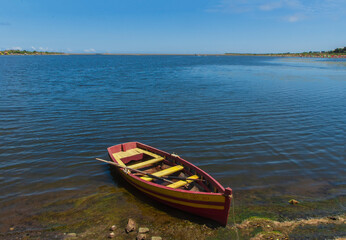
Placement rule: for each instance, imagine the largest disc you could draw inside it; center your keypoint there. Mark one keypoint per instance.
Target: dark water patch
(326, 231)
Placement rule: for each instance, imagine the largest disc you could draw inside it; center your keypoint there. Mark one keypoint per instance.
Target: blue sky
(173, 26)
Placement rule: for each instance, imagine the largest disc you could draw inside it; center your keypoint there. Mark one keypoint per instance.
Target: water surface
(276, 124)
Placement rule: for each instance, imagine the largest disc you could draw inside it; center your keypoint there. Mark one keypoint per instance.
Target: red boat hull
(211, 205)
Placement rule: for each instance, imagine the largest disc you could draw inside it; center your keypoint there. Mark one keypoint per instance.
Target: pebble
(156, 238)
(112, 228)
(131, 225)
(293, 201)
(111, 235)
(70, 235)
(143, 230)
(141, 236)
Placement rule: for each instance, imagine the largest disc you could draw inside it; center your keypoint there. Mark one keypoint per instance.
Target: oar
(150, 175)
(135, 170)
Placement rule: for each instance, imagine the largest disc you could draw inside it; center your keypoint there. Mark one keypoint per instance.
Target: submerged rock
(131, 225)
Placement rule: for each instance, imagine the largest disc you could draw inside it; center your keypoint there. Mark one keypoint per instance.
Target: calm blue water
(251, 122)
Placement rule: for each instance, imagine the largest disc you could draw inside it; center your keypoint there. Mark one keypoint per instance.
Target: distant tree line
(338, 50)
(25, 52)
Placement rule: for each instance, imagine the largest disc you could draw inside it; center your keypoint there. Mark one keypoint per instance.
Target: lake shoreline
(89, 215)
(293, 55)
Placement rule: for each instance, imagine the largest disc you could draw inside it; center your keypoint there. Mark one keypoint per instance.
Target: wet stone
(111, 235)
(143, 230)
(156, 238)
(113, 228)
(131, 225)
(70, 236)
(293, 201)
(141, 236)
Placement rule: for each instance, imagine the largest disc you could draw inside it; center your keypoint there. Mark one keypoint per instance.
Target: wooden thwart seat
(135, 151)
(128, 153)
(164, 172)
(147, 152)
(182, 182)
(117, 158)
(146, 163)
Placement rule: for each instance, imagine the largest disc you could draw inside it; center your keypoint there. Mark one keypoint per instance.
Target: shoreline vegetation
(25, 52)
(336, 53)
(90, 215)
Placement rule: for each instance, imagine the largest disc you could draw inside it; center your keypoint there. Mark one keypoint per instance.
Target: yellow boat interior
(160, 168)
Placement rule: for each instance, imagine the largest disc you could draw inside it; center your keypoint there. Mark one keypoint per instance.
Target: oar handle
(109, 162)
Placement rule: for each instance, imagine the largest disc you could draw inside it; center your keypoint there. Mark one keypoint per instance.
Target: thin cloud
(17, 48)
(240, 6)
(90, 50)
(271, 6)
(295, 9)
(294, 18)
(43, 49)
(233, 6)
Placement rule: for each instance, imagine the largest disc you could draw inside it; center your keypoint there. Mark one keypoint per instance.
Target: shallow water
(276, 124)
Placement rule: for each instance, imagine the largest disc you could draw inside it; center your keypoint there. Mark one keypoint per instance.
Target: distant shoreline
(300, 55)
(215, 54)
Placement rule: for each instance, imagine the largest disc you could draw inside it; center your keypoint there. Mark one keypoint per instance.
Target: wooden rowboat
(172, 180)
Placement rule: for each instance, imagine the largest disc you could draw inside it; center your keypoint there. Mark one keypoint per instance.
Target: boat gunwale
(185, 163)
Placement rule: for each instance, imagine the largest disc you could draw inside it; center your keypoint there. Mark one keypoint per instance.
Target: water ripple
(251, 122)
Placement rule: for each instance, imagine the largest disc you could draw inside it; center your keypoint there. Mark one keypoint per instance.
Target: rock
(131, 225)
(156, 238)
(143, 230)
(111, 235)
(293, 201)
(332, 218)
(70, 236)
(112, 228)
(141, 236)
